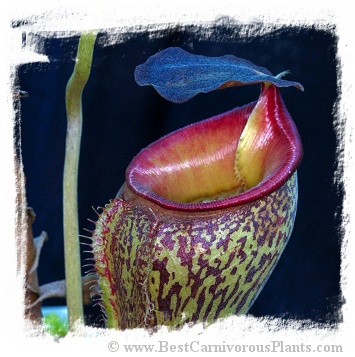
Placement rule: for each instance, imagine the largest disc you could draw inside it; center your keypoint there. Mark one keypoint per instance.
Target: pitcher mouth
(193, 168)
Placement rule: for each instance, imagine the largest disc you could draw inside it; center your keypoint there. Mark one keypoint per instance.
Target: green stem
(73, 97)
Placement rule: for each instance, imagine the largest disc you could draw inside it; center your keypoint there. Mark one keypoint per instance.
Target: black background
(121, 118)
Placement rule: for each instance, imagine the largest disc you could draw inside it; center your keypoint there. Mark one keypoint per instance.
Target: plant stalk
(73, 99)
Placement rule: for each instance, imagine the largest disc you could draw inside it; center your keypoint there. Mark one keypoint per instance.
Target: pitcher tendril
(73, 98)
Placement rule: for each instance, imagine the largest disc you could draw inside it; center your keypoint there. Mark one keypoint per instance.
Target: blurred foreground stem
(73, 97)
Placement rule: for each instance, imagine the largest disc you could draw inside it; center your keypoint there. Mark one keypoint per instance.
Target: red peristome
(197, 162)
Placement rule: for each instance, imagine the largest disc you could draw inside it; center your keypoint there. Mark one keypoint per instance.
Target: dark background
(121, 118)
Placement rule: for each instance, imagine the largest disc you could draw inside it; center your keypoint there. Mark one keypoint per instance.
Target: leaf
(56, 326)
(178, 75)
